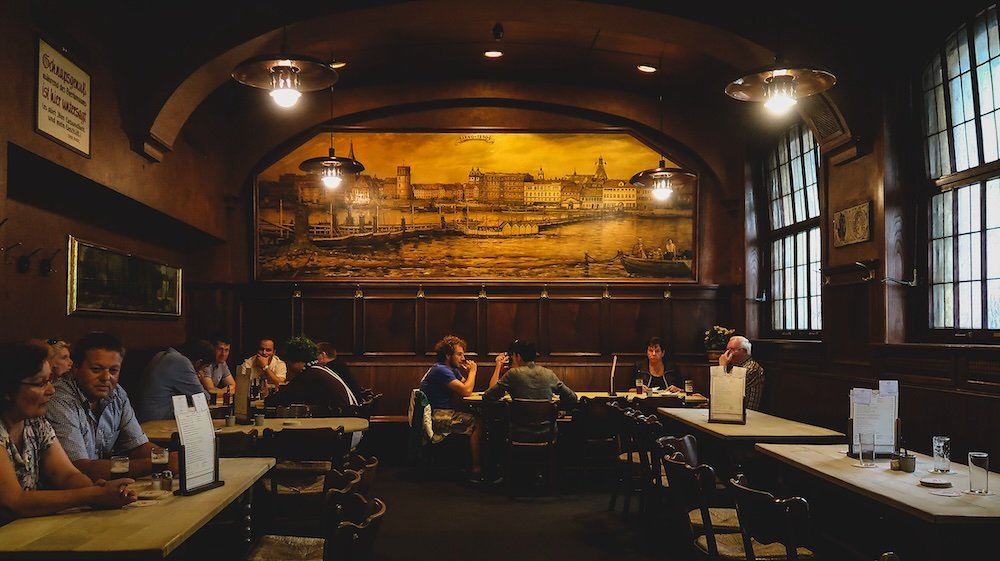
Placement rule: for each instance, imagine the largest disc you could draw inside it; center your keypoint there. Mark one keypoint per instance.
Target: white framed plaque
(62, 99)
(728, 391)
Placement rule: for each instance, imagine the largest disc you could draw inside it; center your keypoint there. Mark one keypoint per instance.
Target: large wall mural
(474, 205)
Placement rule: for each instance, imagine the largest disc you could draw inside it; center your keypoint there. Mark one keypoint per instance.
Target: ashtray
(935, 482)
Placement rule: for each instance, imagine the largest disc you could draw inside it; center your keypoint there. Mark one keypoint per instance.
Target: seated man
(266, 367)
(217, 375)
(327, 356)
(311, 383)
(91, 413)
(738, 354)
(450, 379)
(525, 379)
(169, 373)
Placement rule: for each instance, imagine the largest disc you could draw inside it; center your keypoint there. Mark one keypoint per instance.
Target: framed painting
(106, 280)
(852, 225)
(474, 205)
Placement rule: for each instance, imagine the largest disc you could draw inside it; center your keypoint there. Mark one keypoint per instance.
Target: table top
(760, 427)
(160, 431)
(133, 532)
(897, 489)
(696, 398)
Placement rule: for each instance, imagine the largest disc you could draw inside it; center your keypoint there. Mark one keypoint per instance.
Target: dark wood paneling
(509, 319)
(574, 327)
(331, 320)
(845, 328)
(635, 321)
(264, 317)
(689, 320)
(390, 326)
(457, 316)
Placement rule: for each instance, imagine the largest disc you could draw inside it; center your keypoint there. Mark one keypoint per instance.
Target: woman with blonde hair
(59, 358)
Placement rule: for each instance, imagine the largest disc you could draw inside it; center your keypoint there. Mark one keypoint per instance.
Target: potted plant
(716, 339)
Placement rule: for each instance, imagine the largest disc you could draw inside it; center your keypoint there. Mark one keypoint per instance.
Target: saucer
(935, 472)
(946, 493)
(936, 482)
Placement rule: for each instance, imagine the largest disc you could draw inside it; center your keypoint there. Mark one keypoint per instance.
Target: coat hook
(45, 263)
(6, 251)
(4, 221)
(23, 263)
(869, 271)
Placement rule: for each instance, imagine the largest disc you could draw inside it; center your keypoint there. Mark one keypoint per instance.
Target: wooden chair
(628, 456)
(648, 405)
(237, 444)
(365, 466)
(354, 537)
(531, 437)
(594, 436)
(771, 528)
(691, 496)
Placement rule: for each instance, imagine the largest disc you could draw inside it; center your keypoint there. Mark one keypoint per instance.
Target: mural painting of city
(474, 205)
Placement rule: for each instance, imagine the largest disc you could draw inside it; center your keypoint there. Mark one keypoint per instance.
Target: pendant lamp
(661, 179)
(285, 75)
(780, 86)
(331, 168)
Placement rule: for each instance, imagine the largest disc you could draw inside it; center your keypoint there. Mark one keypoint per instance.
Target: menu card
(197, 436)
(727, 391)
(874, 412)
(242, 396)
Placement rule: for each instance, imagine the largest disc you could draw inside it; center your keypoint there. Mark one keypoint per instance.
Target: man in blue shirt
(91, 413)
(169, 373)
(447, 382)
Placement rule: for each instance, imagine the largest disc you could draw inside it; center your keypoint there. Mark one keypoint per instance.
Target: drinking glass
(119, 466)
(689, 387)
(640, 386)
(866, 449)
(941, 445)
(979, 473)
(160, 457)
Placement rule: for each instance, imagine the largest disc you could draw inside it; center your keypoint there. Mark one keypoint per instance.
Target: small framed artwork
(852, 225)
(62, 99)
(106, 280)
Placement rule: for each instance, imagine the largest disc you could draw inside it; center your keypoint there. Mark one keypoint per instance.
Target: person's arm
(500, 360)
(466, 387)
(206, 381)
(21, 503)
(61, 472)
(227, 383)
(276, 372)
(497, 390)
(567, 397)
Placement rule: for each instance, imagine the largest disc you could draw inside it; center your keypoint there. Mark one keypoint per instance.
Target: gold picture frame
(105, 280)
(852, 225)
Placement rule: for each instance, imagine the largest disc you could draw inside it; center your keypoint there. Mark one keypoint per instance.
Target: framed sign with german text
(62, 99)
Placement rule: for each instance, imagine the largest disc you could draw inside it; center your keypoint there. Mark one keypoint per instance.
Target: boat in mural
(647, 267)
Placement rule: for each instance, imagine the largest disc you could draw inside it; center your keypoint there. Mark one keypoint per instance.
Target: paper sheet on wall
(242, 395)
(727, 391)
(878, 415)
(197, 434)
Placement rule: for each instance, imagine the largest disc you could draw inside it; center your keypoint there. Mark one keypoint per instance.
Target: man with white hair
(738, 354)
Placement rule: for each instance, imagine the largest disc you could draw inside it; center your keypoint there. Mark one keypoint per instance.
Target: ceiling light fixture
(285, 75)
(332, 168)
(497, 36)
(780, 86)
(647, 68)
(662, 180)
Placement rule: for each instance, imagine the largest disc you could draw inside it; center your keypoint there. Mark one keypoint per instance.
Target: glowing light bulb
(331, 178)
(493, 53)
(662, 189)
(780, 94)
(779, 104)
(286, 97)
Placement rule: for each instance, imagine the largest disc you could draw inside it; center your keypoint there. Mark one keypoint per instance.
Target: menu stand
(728, 403)
(184, 489)
(852, 451)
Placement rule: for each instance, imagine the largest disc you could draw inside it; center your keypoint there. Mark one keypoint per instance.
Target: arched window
(790, 175)
(961, 92)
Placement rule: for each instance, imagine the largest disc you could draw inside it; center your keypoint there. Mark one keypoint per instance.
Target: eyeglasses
(37, 384)
(52, 341)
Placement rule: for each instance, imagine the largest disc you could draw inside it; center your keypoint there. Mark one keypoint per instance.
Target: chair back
(687, 445)
(692, 487)
(353, 539)
(768, 519)
(649, 405)
(316, 444)
(532, 421)
(594, 420)
(365, 466)
(237, 444)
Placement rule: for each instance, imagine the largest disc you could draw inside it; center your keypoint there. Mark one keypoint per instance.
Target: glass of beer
(119, 466)
(160, 457)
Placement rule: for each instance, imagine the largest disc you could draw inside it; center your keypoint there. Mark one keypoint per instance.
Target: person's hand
(674, 389)
(114, 493)
(469, 367)
(725, 358)
(261, 361)
(501, 359)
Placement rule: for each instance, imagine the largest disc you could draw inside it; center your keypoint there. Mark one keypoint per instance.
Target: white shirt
(276, 367)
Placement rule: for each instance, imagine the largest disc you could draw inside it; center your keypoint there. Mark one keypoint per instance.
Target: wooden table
(160, 431)
(140, 533)
(693, 399)
(886, 510)
(760, 427)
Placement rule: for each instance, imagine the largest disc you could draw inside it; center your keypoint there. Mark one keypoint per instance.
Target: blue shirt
(169, 373)
(435, 385)
(85, 435)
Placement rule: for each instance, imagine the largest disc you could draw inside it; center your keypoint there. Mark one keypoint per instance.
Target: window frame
(981, 174)
(769, 235)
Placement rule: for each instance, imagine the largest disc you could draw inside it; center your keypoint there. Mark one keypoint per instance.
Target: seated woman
(653, 369)
(59, 358)
(29, 450)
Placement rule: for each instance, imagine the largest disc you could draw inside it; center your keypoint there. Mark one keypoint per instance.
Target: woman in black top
(653, 370)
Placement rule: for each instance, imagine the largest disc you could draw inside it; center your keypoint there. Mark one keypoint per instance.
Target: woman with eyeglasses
(59, 358)
(29, 450)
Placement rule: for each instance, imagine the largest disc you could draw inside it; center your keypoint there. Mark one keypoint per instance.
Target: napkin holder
(184, 489)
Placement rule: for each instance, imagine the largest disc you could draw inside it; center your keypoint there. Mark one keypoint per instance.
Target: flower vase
(713, 356)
